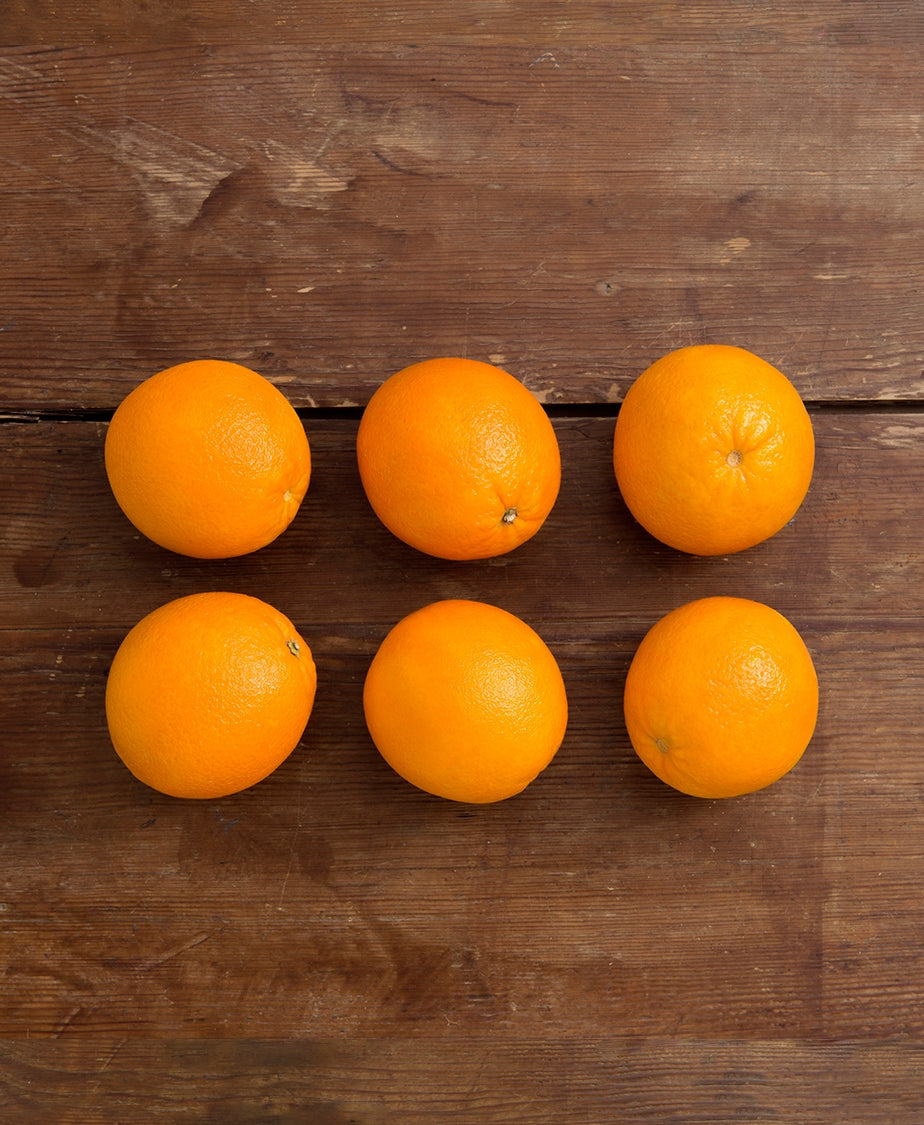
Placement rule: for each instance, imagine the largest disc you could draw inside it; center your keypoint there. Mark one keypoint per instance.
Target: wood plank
(69, 555)
(334, 895)
(773, 24)
(572, 211)
(406, 1082)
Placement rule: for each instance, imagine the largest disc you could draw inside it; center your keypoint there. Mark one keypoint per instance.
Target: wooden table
(327, 192)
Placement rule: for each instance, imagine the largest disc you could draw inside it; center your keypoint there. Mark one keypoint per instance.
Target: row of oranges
(713, 452)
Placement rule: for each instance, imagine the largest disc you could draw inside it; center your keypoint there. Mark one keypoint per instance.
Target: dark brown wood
(406, 1082)
(852, 550)
(570, 195)
(597, 899)
(327, 192)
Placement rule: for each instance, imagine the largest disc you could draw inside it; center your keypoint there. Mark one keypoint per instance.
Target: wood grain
(328, 192)
(623, 22)
(598, 899)
(69, 555)
(574, 206)
(404, 1082)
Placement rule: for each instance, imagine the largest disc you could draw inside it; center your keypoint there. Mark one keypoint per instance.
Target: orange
(713, 449)
(208, 694)
(721, 697)
(208, 459)
(465, 701)
(458, 459)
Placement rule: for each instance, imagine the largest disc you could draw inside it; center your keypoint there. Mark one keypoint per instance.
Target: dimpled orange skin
(713, 449)
(721, 698)
(465, 701)
(208, 459)
(458, 459)
(208, 694)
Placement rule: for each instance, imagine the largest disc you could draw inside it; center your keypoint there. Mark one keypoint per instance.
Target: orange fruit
(458, 459)
(208, 694)
(721, 697)
(713, 449)
(208, 459)
(465, 701)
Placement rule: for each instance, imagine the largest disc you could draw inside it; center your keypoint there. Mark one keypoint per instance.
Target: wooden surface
(328, 192)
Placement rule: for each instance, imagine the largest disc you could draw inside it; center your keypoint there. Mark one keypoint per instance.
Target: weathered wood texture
(70, 557)
(335, 895)
(573, 192)
(326, 192)
(404, 1082)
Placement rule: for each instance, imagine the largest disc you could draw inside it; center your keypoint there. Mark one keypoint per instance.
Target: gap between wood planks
(554, 410)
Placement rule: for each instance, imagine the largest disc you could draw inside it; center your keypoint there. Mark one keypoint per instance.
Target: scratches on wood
(175, 951)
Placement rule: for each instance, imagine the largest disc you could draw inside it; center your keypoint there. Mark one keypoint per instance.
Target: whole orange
(458, 459)
(208, 694)
(208, 459)
(465, 701)
(713, 449)
(721, 697)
